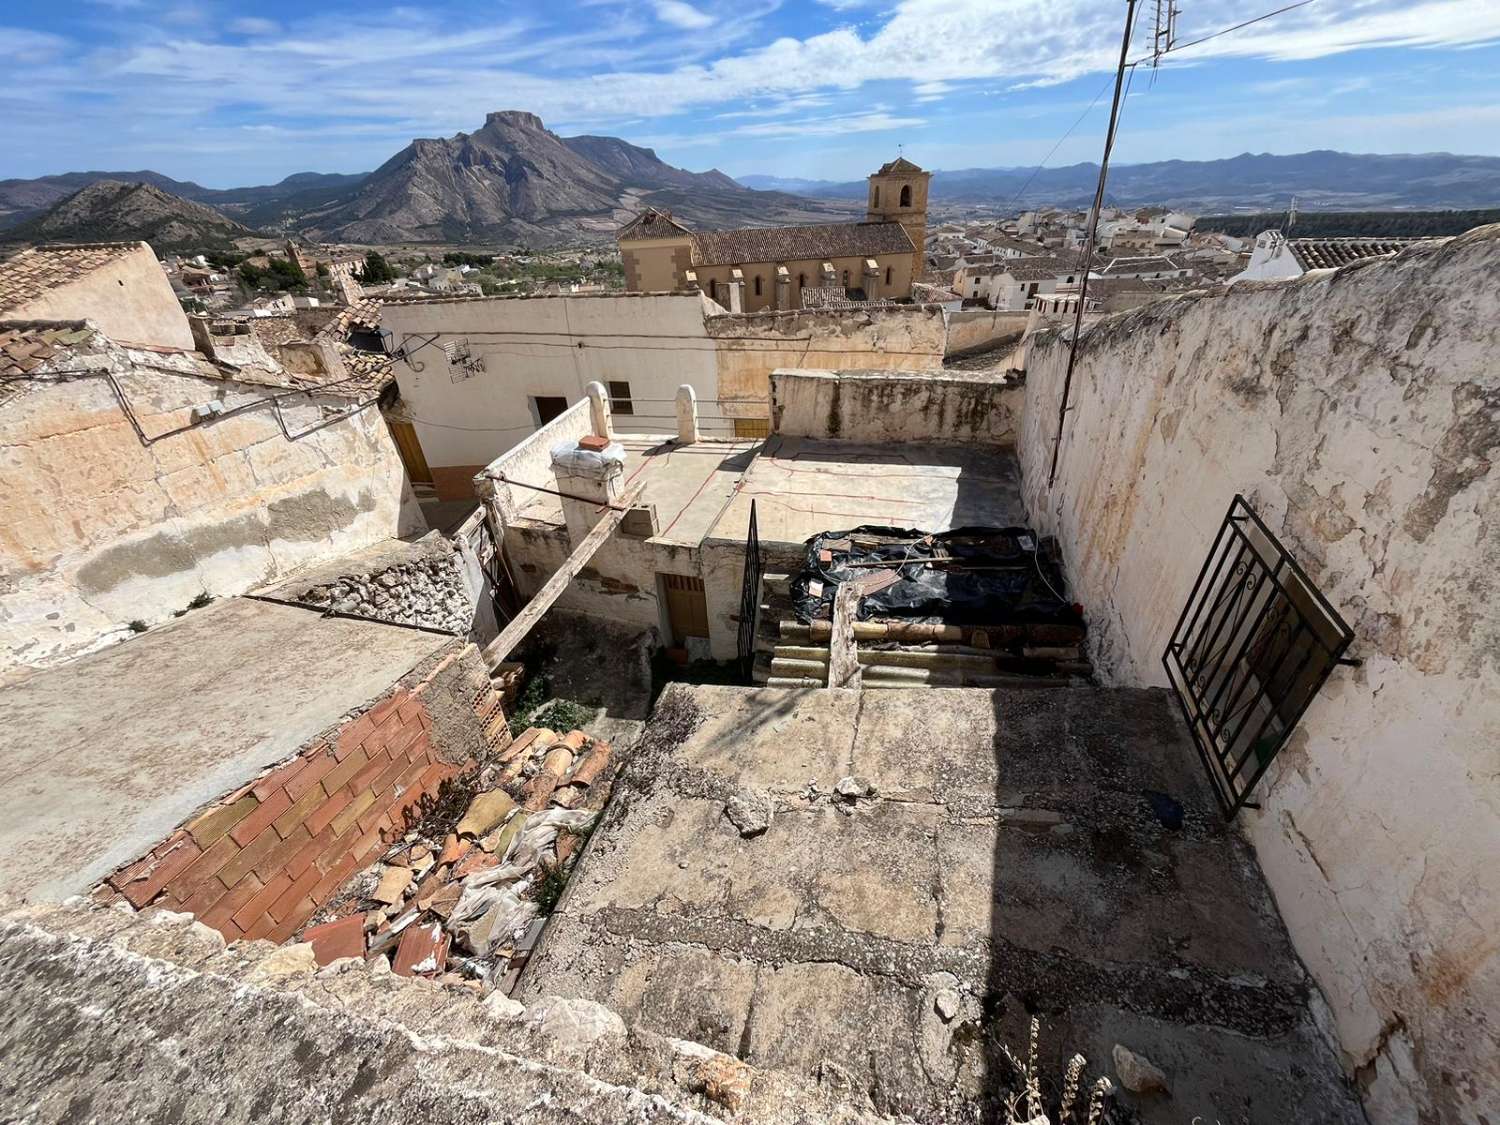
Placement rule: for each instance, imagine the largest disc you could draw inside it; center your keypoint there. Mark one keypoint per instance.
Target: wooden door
(687, 607)
(410, 449)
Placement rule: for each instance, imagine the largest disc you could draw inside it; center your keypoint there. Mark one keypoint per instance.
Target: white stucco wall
(550, 346)
(98, 530)
(129, 299)
(881, 406)
(1359, 411)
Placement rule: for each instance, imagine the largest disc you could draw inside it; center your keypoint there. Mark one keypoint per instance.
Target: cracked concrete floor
(1009, 858)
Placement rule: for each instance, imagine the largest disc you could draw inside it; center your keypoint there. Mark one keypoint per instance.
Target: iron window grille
(1253, 646)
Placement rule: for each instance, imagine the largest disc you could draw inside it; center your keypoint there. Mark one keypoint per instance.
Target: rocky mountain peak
(515, 118)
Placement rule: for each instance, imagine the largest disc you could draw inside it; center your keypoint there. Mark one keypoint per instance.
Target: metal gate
(1254, 644)
(750, 599)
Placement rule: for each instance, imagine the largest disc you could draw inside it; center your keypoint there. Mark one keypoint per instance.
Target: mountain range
(511, 181)
(515, 181)
(111, 210)
(1321, 180)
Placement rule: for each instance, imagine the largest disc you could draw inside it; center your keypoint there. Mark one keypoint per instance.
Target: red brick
(332, 940)
(382, 710)
(352, 735)
(283, 907)
(319, 763)
(325, 813)
(248, 858)
(206, 866)
(222, 912)
(298, 811)
(367, 847)
(344, 773)
(215, 824)
(260, 820)
(260, 927)
(141, 881)
(200, 901)
(289, 925)
(424, 944)
(385, 784)
(407, 736)
(335, 877)
(412, 711)
(308, 853)
(351, 812)
(278, 778)
(365, 778)
(276, 861)
(245, 917)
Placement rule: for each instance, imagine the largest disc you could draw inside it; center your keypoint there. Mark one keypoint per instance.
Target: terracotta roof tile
(1330, 253)
(31, 273)
(786, 244)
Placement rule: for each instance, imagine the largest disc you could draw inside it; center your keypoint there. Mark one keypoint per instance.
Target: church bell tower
(898, 194)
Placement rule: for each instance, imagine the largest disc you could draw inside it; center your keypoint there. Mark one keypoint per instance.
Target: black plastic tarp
(967, 576)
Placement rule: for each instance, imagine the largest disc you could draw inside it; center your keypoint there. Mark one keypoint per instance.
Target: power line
(1037, 171)
(1174, 48)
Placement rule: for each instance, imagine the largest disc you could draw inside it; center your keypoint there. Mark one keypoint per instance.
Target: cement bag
(588, 462)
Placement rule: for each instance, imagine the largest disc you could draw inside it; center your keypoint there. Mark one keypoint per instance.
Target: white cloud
(254, 25)
(681, 14)
(873, 122)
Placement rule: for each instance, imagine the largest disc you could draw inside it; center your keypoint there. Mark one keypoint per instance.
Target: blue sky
(230, 94)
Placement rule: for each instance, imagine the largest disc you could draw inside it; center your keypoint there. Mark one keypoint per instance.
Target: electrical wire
(1225, 31)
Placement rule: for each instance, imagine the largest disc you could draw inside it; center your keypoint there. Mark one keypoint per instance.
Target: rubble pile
(428, 592)
(464, 902)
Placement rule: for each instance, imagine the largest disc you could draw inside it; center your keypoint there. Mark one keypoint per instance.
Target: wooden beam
(843, 661)
(514, 633)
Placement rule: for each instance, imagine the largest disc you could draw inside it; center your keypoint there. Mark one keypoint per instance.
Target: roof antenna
(1291, 217)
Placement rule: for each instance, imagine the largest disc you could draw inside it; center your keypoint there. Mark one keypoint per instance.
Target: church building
(760, 268)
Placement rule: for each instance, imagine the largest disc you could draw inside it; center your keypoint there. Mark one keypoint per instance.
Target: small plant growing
(137, 626)
(1026, 1108)
(201, 600)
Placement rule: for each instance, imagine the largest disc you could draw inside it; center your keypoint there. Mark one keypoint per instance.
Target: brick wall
(259, 862)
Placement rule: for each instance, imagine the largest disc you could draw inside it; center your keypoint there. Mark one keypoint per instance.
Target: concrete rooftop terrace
(803, 486)
(106, 755)
(689, 484)
(1009, 862)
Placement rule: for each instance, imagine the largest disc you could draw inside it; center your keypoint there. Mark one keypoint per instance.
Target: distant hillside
(514, 180)
(1321, 180)
(111, 211)
(1354, 224)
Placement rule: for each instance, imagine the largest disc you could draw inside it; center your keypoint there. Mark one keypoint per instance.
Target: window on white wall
(619, 397)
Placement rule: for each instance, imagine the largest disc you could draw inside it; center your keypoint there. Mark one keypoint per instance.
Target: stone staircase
(789, 653)
(114, 1015)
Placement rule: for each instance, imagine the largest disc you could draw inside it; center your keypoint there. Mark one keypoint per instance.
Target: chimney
(589, 473)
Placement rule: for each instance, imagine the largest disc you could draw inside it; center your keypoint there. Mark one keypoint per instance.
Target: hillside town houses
(760, 674)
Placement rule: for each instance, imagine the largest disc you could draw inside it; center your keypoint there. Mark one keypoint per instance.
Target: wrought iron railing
(750, 599)
(1254, 644)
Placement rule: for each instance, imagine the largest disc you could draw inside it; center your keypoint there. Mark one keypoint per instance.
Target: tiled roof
(899, 166)
(652, 223)
(1151, 264)
(1036, 269)
(24, 347)
(1008, 242)
(786, 244)
(27, 275)
(1330, 253)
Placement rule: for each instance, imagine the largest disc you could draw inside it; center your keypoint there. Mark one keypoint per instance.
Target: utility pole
(1088, 243)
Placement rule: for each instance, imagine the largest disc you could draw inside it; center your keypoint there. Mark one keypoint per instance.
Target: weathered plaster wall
(875, 406)
(1360, 413)
(130, 300)
(752, 345)
(529, 461)
(973, 329)
(98, 530)
(522, 347)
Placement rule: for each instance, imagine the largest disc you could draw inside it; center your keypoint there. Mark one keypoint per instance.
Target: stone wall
(428, 591)
(750, 346)
(971, 330)
(879, 406)
(99, 530)
(260, 861)
(129, 299)
(1359, 411)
